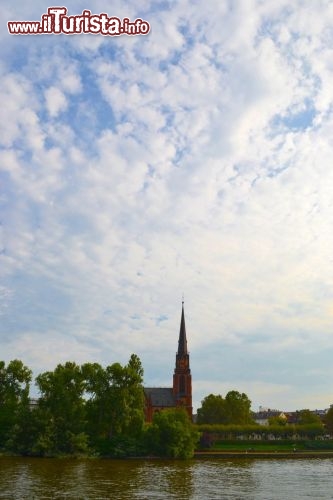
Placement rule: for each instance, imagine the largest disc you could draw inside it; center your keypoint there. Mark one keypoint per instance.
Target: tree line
(87, 410)
(93, 410)
(231, 417)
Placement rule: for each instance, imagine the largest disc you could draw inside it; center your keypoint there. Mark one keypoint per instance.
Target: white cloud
(18, 116)
(56, 101)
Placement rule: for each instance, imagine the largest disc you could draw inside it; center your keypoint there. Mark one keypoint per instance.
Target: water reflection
(224, 479)
(157, 479)
(165, 479)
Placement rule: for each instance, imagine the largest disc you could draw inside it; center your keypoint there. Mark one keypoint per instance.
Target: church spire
(182, 379)
(182, 342)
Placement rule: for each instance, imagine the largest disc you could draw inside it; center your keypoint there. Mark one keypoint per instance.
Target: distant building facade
(180, 394)
(263, 415)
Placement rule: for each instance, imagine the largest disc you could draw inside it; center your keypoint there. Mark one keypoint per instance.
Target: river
(251, 479)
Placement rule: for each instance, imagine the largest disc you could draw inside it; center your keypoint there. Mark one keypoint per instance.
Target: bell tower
(182, 379)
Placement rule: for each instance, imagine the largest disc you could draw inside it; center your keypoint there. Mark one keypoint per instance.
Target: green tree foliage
(307, 417)
(135, 396)
(278, 420)
(25, 433)
(238, 408)
(233, 409)
(62, 410)
(218, 432)
(171, 434)
(115, 405)
(212, 411)
(97, 399)
(15, 381)
(329, 420)
(89, 406)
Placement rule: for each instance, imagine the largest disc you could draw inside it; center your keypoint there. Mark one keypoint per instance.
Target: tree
(171, 434)
(97, 391)
(14, 390)
(329, 420)
(238, 408)
(212, 411)
(115, 408)
(307, 417)
(79, 406)
(277, 420)
(135, 397)
(62, 410)
(233, 409)
(25, 432)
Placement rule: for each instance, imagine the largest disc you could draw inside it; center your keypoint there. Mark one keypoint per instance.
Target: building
(264, 414)
(180, 394)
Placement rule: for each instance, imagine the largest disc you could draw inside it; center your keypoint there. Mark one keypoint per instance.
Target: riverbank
(298, 454)
(264, 454)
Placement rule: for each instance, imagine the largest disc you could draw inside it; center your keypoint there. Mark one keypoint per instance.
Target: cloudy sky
(196, 159)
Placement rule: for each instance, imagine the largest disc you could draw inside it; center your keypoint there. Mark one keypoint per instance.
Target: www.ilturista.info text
(56, 22)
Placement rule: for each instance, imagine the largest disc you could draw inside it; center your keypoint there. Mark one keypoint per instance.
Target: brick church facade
(180, 394)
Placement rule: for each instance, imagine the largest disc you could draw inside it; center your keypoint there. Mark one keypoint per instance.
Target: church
(180, 394)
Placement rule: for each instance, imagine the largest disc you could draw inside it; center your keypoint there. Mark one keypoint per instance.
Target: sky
(196, 159)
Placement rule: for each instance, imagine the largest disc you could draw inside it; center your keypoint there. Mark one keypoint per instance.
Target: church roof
(160, 396)
(182, 342)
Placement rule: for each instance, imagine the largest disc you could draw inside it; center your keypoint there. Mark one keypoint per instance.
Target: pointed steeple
(182, 342)
(182, 379)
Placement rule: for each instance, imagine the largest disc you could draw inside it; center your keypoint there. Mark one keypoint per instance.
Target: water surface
(23, 478)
